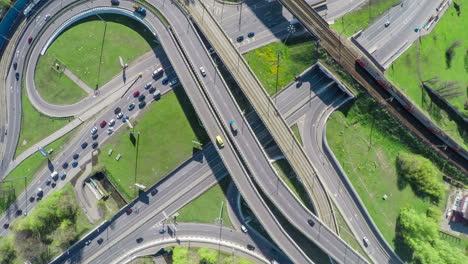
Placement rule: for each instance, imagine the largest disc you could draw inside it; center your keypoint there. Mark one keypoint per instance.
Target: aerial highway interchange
(191, 46)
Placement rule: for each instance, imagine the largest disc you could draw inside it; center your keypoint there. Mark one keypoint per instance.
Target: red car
(136, 94)
(103, 123)
(30, 40)
(129, 211)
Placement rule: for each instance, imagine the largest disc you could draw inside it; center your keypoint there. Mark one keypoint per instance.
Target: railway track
(344, 52)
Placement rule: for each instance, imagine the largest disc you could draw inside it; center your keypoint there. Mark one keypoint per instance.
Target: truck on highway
(139, 10)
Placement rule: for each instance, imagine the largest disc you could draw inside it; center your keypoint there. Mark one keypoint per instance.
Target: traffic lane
(339, 8)
(313, 141)
(251, 195)
(149, 203)
(260, 167)
(306, 89)
(114, 229)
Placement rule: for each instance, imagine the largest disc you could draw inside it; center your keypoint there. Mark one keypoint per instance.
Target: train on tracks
(396, 94)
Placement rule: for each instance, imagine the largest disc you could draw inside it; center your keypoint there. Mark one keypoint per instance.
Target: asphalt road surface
(387, 43)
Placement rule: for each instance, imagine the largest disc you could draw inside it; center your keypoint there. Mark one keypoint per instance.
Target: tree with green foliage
(422, 175)
(208, 256)
(179, 255)
(7, 252)
(421, 234)
(48, 229)
(434, 213)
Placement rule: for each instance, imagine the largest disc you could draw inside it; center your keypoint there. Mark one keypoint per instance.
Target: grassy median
(167, 128)
(294, 58)
(35, 126)
(206, 208)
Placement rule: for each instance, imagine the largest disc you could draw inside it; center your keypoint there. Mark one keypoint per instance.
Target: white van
(158, 71)
(54, 175)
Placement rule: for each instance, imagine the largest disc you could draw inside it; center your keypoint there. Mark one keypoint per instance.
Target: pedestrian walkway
(78, 81)
(46, 141)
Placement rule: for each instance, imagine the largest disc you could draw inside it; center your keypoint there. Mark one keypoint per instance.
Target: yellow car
(220, 141)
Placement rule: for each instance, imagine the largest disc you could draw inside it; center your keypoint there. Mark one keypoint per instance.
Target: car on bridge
(220, 141)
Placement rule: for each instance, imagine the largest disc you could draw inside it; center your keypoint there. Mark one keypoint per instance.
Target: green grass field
(80, 46)
(194, 255)
(35, 126)
(29, 167)
(54, 86)
(372, 170)
(295, 57)
(429, 58)
(167, 129)
(361, 18)
(206, 207)
(295, 130)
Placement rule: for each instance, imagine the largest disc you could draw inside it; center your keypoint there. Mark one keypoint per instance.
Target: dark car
(84, 145)
(131, 107)
(240, 38)
(142, 104)
(30, 39)
(139, 240)
(15, 65)
(48, 181)
(128, 211)
(95, 144)
(6, 225)
(63, 176)
(310, 222)
(19, 212)
(117, 110)
(95, 136)
(100, 240)
(141, 98)
(76, 155)
(17, 76)
(115, 2)
(165, 81)
(75, 164)
(250, 247)
(154, 192)
(251, 34)
(152, 90)
(65, 165)
(53, 186)
(32, 198)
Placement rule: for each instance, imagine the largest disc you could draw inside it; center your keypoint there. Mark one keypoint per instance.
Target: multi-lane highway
(396, 31)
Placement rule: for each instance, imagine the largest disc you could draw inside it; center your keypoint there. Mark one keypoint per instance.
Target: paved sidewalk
(78, 81)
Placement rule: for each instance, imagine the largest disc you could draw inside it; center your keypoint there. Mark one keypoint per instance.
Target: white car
(94, 130)
(244, 229)
(366, 241)
(47, 17)
(120, 115)
(202, 71)
(111, 123)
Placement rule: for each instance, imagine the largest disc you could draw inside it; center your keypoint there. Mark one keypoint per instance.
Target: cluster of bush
(47, 231)
(421, 234)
